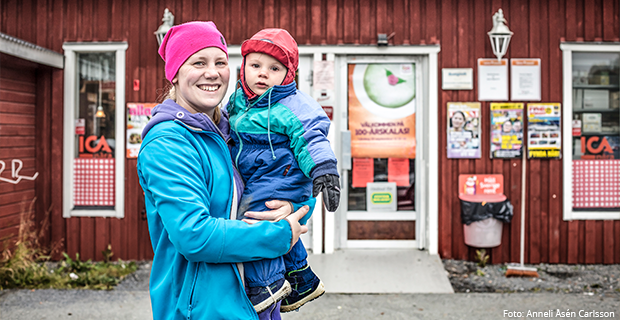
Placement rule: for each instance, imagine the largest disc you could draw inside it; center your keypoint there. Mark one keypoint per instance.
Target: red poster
(363, 172)
(398, 171)
(481, 187)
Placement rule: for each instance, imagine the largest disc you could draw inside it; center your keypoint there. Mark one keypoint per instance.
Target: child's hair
(170, 92)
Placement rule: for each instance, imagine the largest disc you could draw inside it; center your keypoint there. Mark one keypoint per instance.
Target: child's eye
(275, 69)
(255, 65)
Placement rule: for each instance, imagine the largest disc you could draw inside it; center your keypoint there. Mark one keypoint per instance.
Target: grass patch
(27, 265)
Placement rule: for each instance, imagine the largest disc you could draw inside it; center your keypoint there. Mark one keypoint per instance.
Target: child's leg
(305, 285)
(263, 272)
(265, 283)
(296, 257)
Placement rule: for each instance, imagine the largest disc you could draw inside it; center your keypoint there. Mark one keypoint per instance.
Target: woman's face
(507, 127)
(202, 81)
(457, 120)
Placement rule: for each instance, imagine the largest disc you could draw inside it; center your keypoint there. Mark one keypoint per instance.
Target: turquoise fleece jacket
(186, 173)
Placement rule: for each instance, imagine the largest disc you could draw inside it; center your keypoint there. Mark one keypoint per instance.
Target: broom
(521, 270)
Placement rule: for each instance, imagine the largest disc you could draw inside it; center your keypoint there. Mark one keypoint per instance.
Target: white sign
(492, 80)
(457, 78)
(381, 196)
(525, 79)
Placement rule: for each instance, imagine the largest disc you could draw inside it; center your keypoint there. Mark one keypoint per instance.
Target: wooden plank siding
(18, 94)
(460, 27)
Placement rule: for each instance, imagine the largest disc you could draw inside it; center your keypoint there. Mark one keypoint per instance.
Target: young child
(282, 152)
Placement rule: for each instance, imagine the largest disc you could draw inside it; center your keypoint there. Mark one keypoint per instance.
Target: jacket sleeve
(173, 179)
(307, 126)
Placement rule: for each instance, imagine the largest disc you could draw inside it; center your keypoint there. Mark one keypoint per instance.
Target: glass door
(383, 104)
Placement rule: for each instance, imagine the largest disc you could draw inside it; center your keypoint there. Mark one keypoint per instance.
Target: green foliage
(69, 273)
(482, 257)
(26, 265)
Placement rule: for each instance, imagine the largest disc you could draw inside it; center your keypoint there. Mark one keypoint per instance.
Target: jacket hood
(277, 43)
(170, 111)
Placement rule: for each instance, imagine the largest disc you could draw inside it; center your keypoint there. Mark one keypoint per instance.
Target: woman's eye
(199, 63)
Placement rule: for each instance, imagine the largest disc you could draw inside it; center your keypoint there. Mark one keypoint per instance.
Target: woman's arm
(172, 176)
(280, 210)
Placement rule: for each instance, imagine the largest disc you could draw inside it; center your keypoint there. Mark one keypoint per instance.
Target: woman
(192, 189)
(458, 136)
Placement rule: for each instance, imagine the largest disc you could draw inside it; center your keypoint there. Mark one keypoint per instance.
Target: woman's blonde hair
(170, 92)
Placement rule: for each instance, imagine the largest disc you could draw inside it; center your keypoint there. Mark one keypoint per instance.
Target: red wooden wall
(18, 84)
(460, 28)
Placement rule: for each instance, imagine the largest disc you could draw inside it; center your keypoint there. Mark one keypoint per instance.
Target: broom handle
(522, 240)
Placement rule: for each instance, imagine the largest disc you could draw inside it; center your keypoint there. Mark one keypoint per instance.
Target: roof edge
(31, 52)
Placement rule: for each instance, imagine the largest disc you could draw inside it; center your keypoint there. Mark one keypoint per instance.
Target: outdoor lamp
(500, 35)
(168, 22)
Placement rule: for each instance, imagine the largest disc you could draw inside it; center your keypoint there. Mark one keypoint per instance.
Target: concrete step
(381, 271)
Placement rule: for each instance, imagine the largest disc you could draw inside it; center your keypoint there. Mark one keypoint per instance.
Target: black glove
(329, 184)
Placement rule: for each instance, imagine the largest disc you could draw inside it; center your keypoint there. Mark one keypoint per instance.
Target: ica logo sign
(86, 145)
(587, 146)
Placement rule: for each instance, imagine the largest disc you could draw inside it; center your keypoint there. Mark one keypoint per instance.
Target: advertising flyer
(492, 80)
(382, 105)
(463, 130)
(138, 114)
(363, 172)
(544, 133)
(506, 130)
(525, 79)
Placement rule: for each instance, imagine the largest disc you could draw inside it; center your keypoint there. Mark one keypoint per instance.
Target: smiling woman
(191, 189)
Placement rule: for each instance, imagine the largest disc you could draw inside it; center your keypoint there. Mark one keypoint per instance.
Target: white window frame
(70, 102)
(567, 72)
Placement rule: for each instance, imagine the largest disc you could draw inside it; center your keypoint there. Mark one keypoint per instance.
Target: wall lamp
(168, 22)
(500, 35)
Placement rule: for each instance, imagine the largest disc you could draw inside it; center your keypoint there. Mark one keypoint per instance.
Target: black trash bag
(478, 211)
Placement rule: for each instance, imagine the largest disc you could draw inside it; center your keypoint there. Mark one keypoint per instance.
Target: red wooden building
(69, 68)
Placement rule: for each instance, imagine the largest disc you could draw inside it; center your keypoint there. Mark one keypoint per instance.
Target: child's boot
(306, 286)
(263, 297)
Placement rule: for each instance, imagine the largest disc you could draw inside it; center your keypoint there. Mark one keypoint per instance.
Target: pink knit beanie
(183, 40)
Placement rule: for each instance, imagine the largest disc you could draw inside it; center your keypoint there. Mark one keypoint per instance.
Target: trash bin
(483, 222)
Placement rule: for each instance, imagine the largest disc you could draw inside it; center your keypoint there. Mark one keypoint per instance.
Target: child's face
(262, 72)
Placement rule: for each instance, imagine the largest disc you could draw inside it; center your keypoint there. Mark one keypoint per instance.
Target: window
(591, 131)
(94, 124)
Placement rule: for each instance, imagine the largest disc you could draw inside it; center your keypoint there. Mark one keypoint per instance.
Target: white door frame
(335, 223)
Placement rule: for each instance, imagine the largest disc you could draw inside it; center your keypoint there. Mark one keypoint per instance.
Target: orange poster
(398, 171)
(382, 105)
(363, 172)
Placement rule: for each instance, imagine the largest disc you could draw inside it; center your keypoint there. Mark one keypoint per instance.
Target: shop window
(592, 131)
(94, 114)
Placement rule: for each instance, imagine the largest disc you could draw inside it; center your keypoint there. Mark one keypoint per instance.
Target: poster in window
(506, 130)
(382, 105)
(463, 130)
(544, 133)
(138, 115)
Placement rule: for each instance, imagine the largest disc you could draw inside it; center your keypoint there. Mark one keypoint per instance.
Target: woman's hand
(280, 210)
(296, 228)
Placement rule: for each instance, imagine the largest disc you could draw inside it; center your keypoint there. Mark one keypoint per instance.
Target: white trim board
(70, 102)
(567, 116)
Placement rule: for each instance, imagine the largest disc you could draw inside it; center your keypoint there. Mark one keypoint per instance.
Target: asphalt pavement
(130, 300)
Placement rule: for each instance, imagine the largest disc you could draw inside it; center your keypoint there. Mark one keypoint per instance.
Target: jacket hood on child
(277, 43)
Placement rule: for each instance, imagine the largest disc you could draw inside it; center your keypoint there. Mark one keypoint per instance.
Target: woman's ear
(175, 80)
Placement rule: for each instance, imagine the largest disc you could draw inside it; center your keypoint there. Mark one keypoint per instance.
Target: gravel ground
(466, 276)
